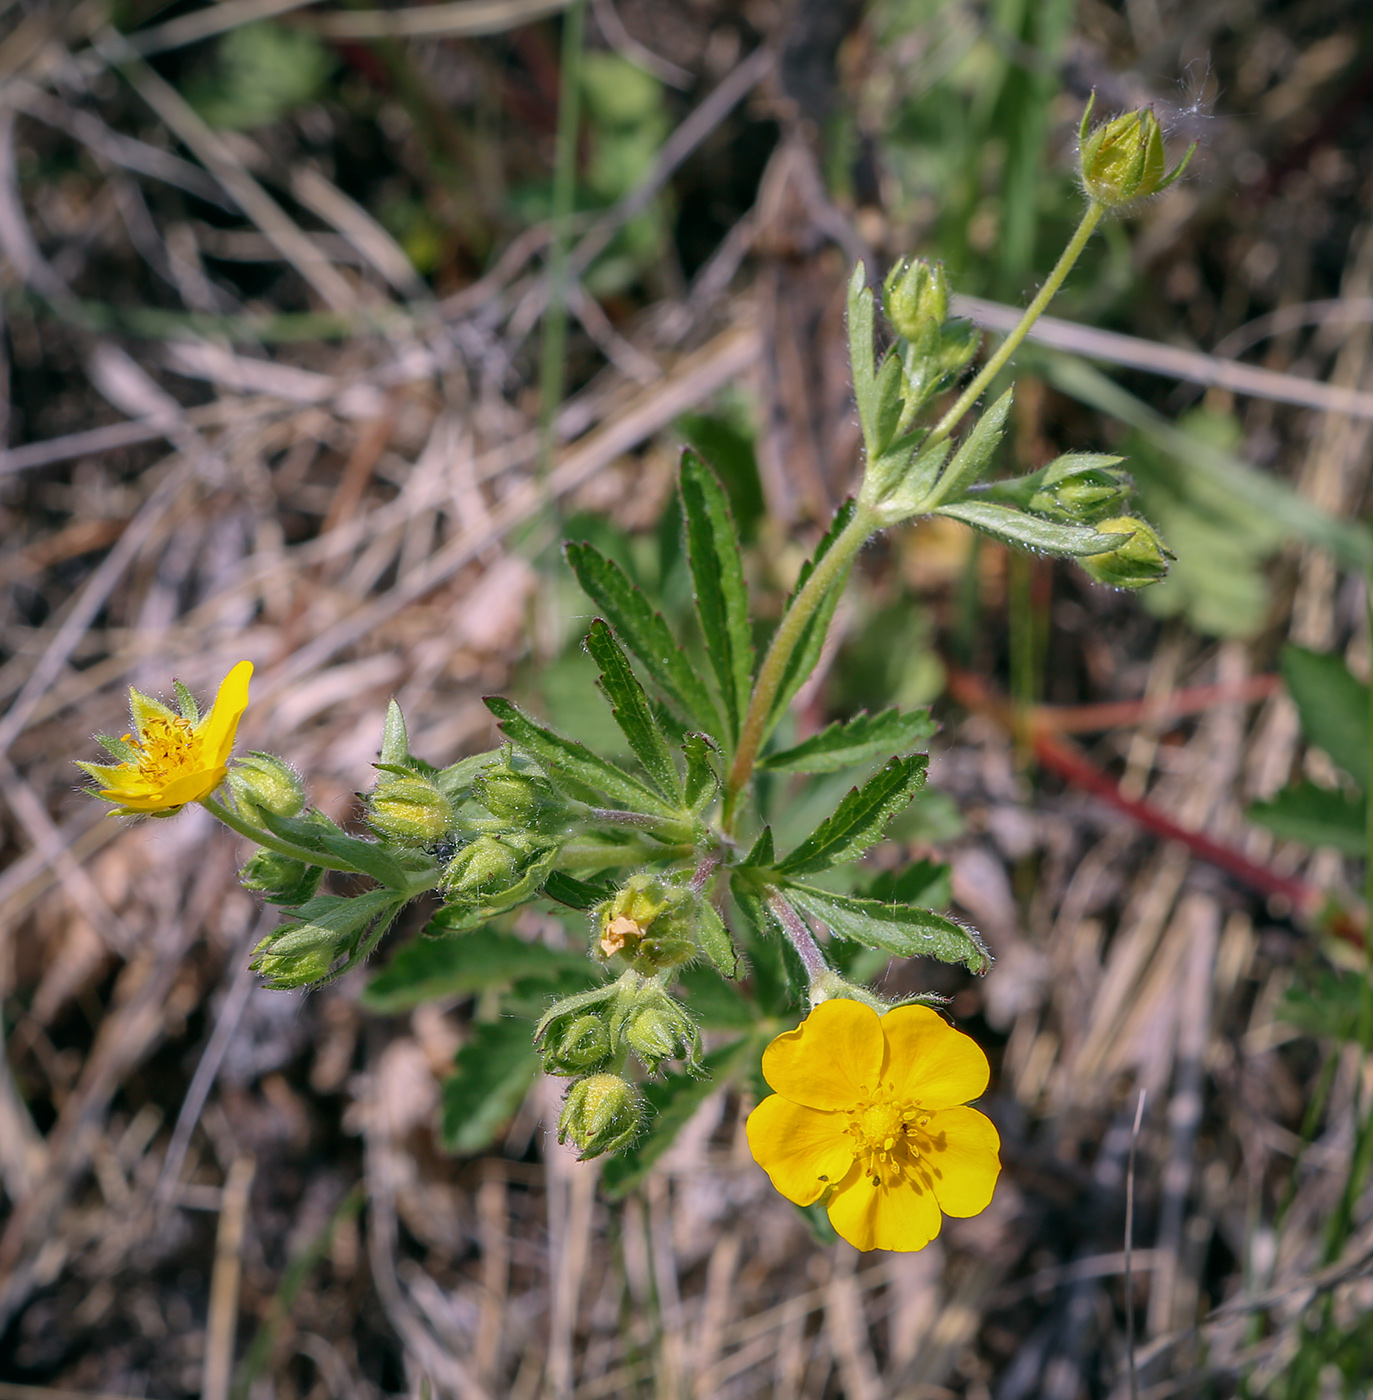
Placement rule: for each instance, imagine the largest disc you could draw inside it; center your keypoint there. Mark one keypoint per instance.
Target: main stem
(1033, 312)
(826, 573)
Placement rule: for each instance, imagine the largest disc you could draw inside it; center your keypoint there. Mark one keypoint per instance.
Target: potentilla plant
(694, 918)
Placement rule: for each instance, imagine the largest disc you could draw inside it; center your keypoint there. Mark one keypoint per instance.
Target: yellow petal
(831, 1060)
(217, 730)
(928, 1061)
(964, 1162)
(903, 1217)
(803, 1150)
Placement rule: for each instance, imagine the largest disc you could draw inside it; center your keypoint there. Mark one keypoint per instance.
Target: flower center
(888, 1138)
(167, 749)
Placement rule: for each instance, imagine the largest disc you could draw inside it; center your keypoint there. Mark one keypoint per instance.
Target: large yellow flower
(171, 759)
(870, 1113)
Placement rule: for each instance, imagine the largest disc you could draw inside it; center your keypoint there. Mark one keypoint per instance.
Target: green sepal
(643, 631)
(717, 575)
(630, 707)
(1026, 531)
(492, 1073)
(712, 937)
(846, 743)
(395, 740)
(121, 749)
(902, 930)
(860, 819)
(186, 703)
(457, 779)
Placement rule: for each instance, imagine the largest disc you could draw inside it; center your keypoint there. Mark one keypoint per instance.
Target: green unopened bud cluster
(648, 924)
(601, 1113)
(263, 782)
(932, 349)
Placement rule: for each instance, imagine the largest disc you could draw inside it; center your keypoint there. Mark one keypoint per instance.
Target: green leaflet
(644, 632)
(1333, 706)
(329, 920)
(974, 453)
(702, 780)
(899, 929)
(583, 774)
(491, 1075)
(433, 969)
(672, 1099)
(632, 713)
(1315, 817)
(812, 641)
(576, 894)
(717, 576)
(1015, 527)
(861, 323)
(369, 858)
(846, 743)
(860, 819)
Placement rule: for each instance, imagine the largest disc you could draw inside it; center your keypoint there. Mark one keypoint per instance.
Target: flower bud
(482, 867)
(658, 1029)
(579, 1045)
(261, 781)
(915, 297)
(602, 1113)
(645, 925)
(1123, 160)
(1141, 558)
(283, 879)
(410, 811)
(1080, 487)
(514, 797)
(285, 971)
(958, 343)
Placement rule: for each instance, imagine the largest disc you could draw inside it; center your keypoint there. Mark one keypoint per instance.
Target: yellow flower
(171, 759)
(870, 1113)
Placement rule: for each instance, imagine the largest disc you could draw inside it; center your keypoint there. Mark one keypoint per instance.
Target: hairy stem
(270, 842)
(823, 577)
(1033, 312)
(800, 937)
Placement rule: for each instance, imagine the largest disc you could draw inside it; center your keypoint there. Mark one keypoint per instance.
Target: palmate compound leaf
(899, 929)
(573, 767)
(847, 743)
(629, 704)
(491, 1075)
(1315, 817)
(717, 577)
(645, 634)
(672, 1100)
(1015, 527)
(1333, 705)
(860, 819)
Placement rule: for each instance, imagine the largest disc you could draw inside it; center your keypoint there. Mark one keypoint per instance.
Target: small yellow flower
(171, 759)
(870, 1113)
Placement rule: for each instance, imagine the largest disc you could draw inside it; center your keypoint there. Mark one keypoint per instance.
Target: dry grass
(212, 1188)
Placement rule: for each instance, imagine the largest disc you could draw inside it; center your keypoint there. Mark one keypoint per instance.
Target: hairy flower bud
(261, 781)
(647, 925)
(915, 297)
(1080, 487)
(283, 879)
(411, 811)
(1140, 559)
(578, 1045)
(1123, 159)
(602, 1113)
(284, 971)
(483, 867)
(657, 1028)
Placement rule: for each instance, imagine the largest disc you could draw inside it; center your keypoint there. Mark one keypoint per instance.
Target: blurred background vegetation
(276, 291)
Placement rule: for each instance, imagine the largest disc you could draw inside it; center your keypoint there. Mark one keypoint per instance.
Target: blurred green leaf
(491, 1075)
(1315, 817)
(438, 969)
(1334, 708)
(261, 72)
